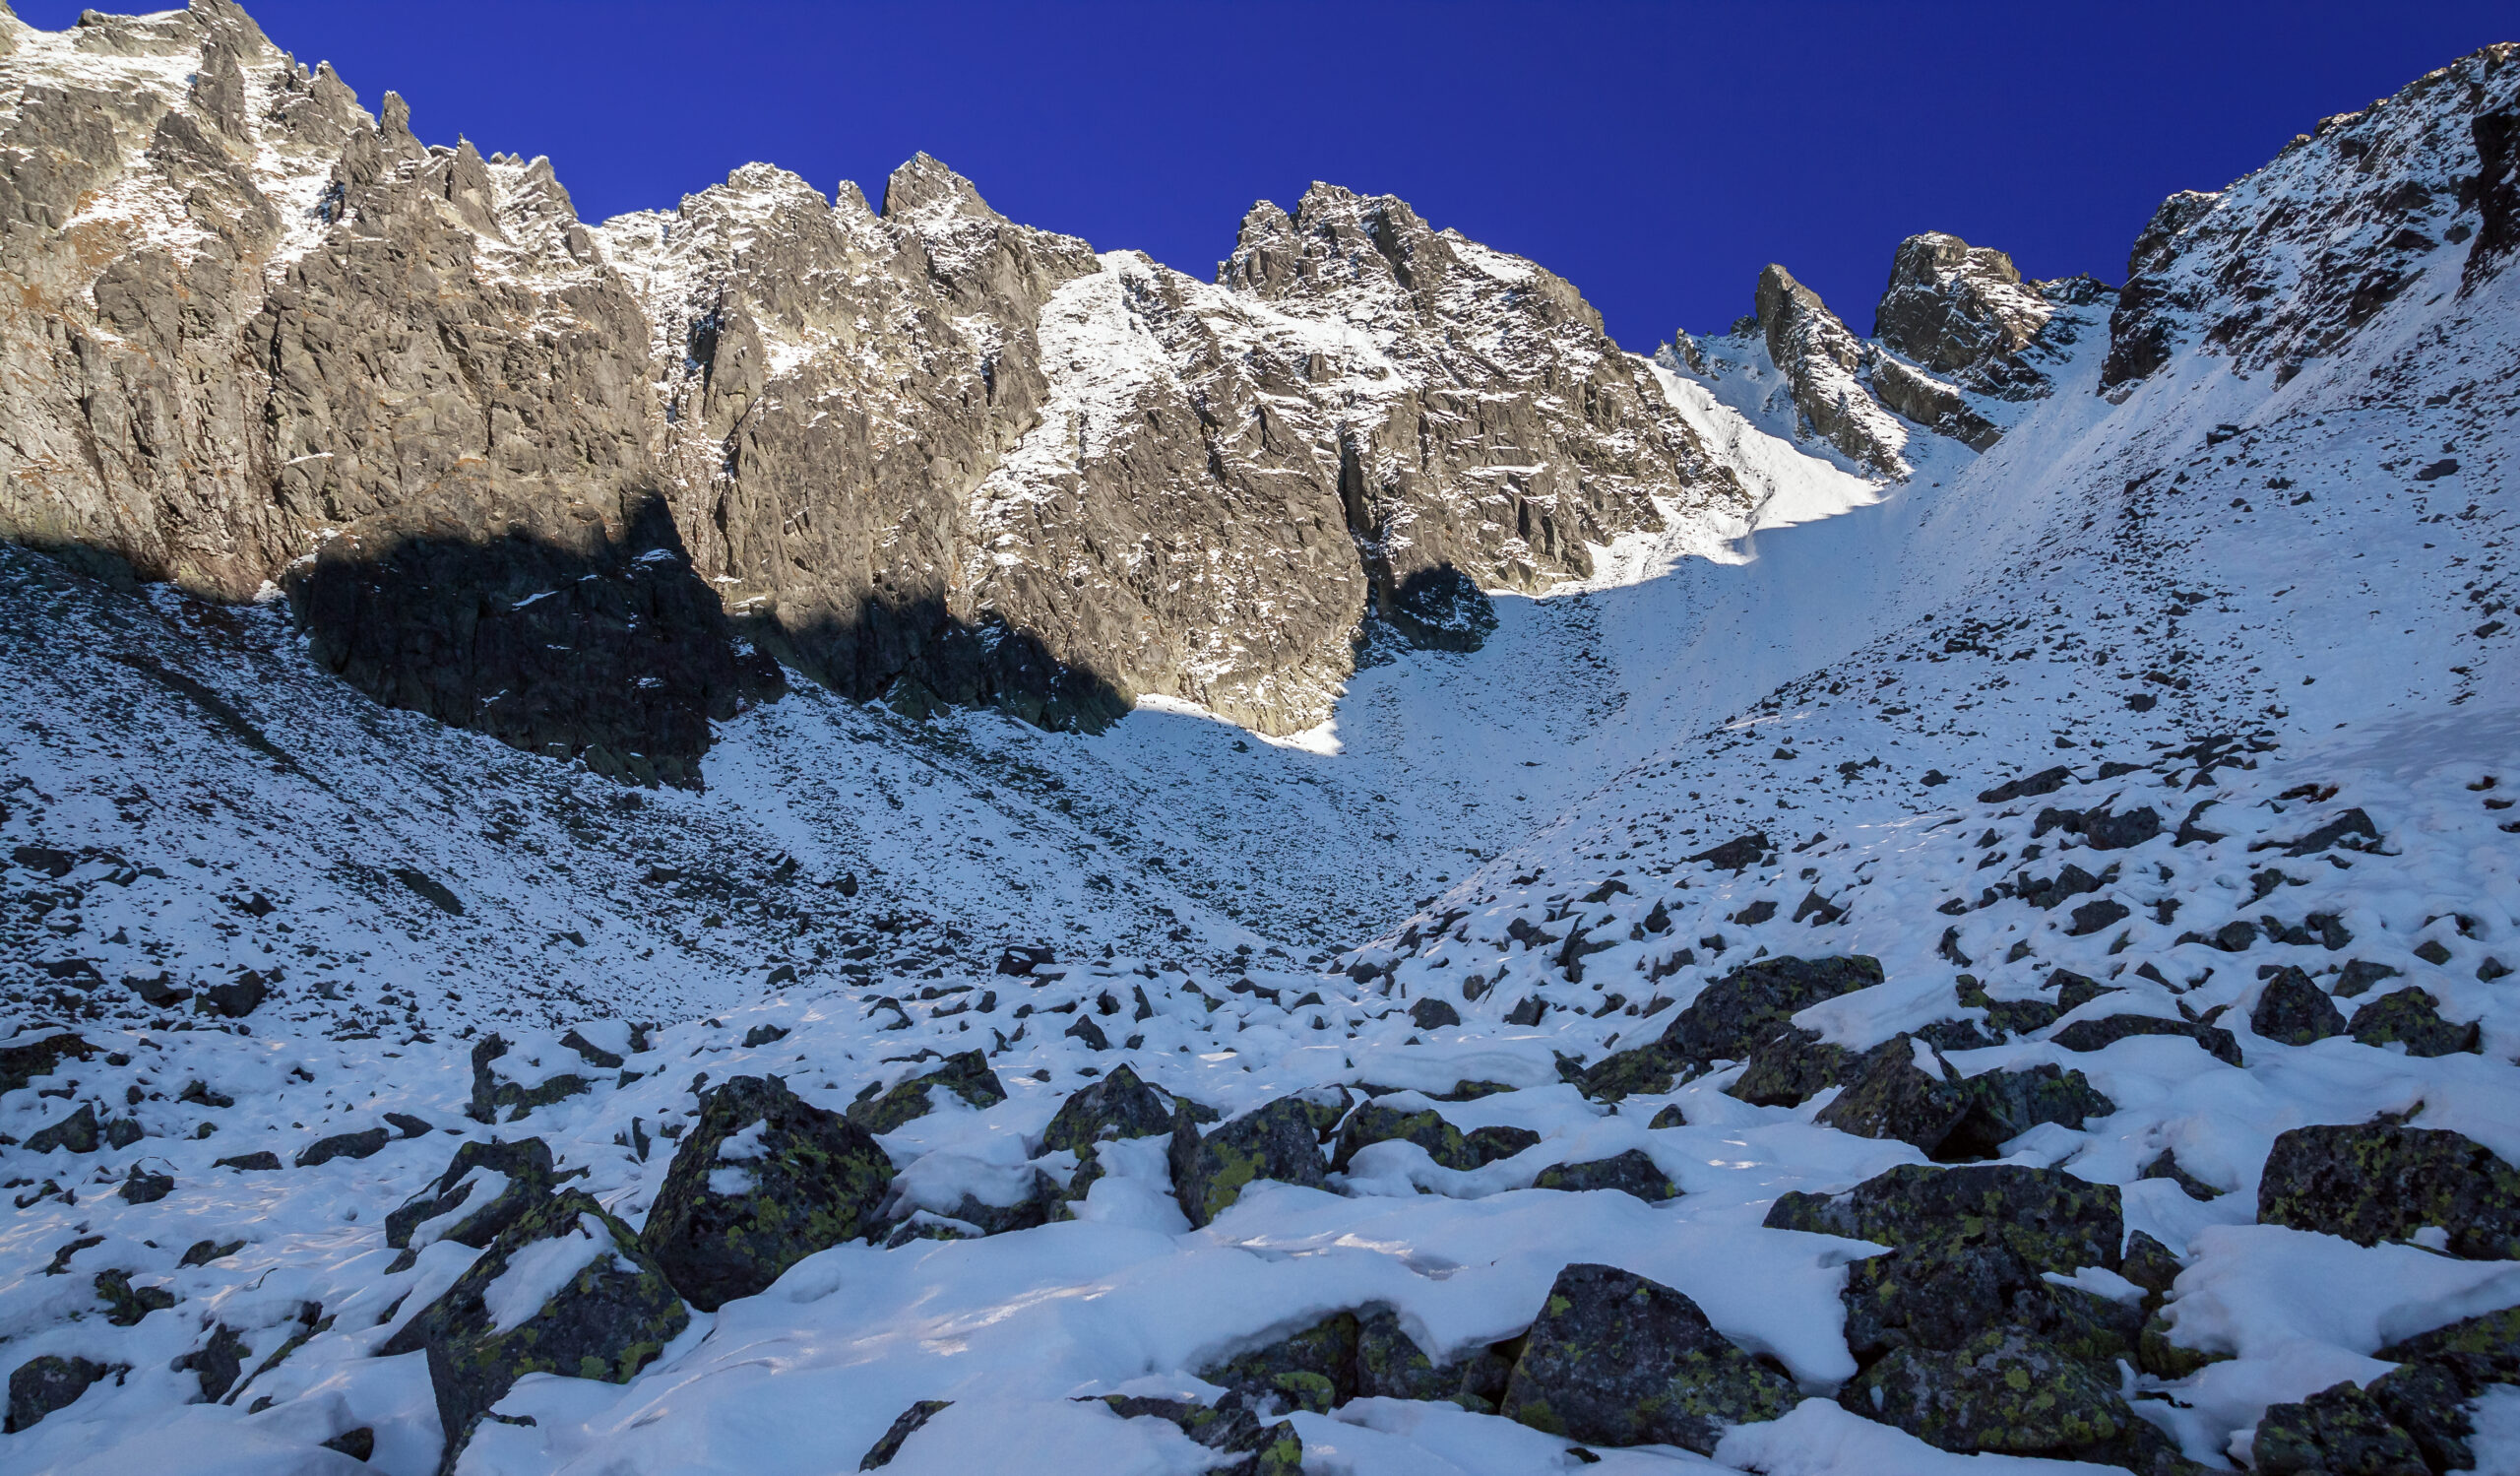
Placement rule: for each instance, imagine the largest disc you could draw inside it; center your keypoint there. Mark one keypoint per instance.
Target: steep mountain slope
(1856, 928)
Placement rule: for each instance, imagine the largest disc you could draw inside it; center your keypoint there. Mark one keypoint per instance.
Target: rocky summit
(821, 830)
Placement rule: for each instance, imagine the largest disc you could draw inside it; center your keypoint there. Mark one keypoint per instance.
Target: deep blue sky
(1655, 155)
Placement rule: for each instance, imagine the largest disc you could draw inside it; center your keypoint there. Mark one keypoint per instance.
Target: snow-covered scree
(2049, 924)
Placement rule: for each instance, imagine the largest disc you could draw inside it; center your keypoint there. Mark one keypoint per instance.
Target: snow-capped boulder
(566, 1289)
(1281, 1140)
(763, 1179)
(2384, 1181)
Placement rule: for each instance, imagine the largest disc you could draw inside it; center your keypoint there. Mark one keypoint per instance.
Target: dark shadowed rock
(1431, 1013)
(1970, 1247)
(909, 1423)
(140, 1187)
(1793, 1067)
(1314, 1370)
(1496, 1141)
(2412, 1018)
(1737, 853)
(2384, 1182)
(2340, 1431)
(1373, 1122)
(492, 1093)
(2009, 1394)
(2096, 1035)
(1952, 1118)
(2294, 1010)
(1614, 1359)
(763, 1179)
(1119, 1106)
(1633, 1171)
(1389, 1363)
(41, 1385)
(520, 1170)
(605, 1321)
(2044, 781)
(23, 1061)
(1229, 1427)
(361, 1144)
(218, 1362)
(1729, 1019)
(966, 1074)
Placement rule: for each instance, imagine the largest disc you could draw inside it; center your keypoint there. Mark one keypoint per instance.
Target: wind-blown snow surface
(2216, 555)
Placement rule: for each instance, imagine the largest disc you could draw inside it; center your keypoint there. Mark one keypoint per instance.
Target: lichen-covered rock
(1228, 1426)
(1431, 1013)
(1633, 1171)
(2412, 1018)
(2096, 1035)
(2148, 1263)
(78, 1133)
(566, 1289)
(1614, 1359)
(41, 1385)
(2157, 1351)
(1970, 1247)
(1389, 1363)
(1119, 1106)
(2438, 1372)
(1908, 1094)
(966, 1074)
(763, 1179)
(1497, 1141)
(2167, 1166)
(36, 1055)
(2009, 1394)
(2294, 1010)
(2384, 1182)
(1729, 1020)
(1280, 1141)
(1314, 1370)
(2340, 1431)
(1793, 1065)
(1374, 1122)
(484, 1189)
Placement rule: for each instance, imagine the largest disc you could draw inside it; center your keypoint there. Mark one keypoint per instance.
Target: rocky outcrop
(2290, 262)
(1963, 312)
(1820, 359)
(1730, 1019)
(574, 487)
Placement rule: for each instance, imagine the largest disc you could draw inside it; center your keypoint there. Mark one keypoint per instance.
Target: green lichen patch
(966, 1074)
(1374, 1122)
(1633, 1171)
(2007, 1394)
(1280, 1141)
(2412, 1018)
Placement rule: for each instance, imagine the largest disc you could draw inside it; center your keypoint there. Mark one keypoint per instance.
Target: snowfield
(2157, 767)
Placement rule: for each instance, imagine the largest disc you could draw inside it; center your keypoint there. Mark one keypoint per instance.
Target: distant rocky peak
(923, 191)
(1338, 239)
(1953, 308)
(1819, 358)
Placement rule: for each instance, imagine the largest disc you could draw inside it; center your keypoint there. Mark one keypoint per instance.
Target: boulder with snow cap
(1729, 1019)
(2340, 1431)
(566, 1289)
(2100, 1034)
(763, 1179)
(1970, 1249)
(1375, 1122)
(492, 1092)
(2384, 1181)
(2412, 1018)
(2007, 1394)
(966, 1074)
(41, 1385)
(486, 1187)
(1358, 1353)
(1281, 1140)
(2294, 1010)
(36, 1055)
(1633, 1171)
(1119, 1106)
(1616, 1359)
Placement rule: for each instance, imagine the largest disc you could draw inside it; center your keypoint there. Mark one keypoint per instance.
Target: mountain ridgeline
(588, 489)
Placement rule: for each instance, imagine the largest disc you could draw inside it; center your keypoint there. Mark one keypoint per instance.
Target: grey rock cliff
(575, 486)
(1820, 358)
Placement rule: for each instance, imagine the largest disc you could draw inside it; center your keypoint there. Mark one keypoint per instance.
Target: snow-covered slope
(2139, 788)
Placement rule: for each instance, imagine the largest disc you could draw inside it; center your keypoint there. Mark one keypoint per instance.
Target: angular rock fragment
(41, 1385)
(1616, 1359)
(1633, 1171)
(909, 1423)
(1280, 1141)
(2412, 1018)
(1729, 1019)
(482, 1191)
(2294, 1010)
(2004, 1392)
(2384, 1182)
(2340, 1431)
(966, 1074)
(566, 1289)
(763, 1179)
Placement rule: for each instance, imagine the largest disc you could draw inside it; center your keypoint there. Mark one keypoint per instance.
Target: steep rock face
(2288, 263)
(1964, 312)
(251, 325)
(502, 462)
(1820, 357)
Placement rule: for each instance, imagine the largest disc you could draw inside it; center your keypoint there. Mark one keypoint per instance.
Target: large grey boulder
(1616, 1359)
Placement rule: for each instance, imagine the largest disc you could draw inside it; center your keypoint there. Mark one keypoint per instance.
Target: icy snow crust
(1845, 682)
